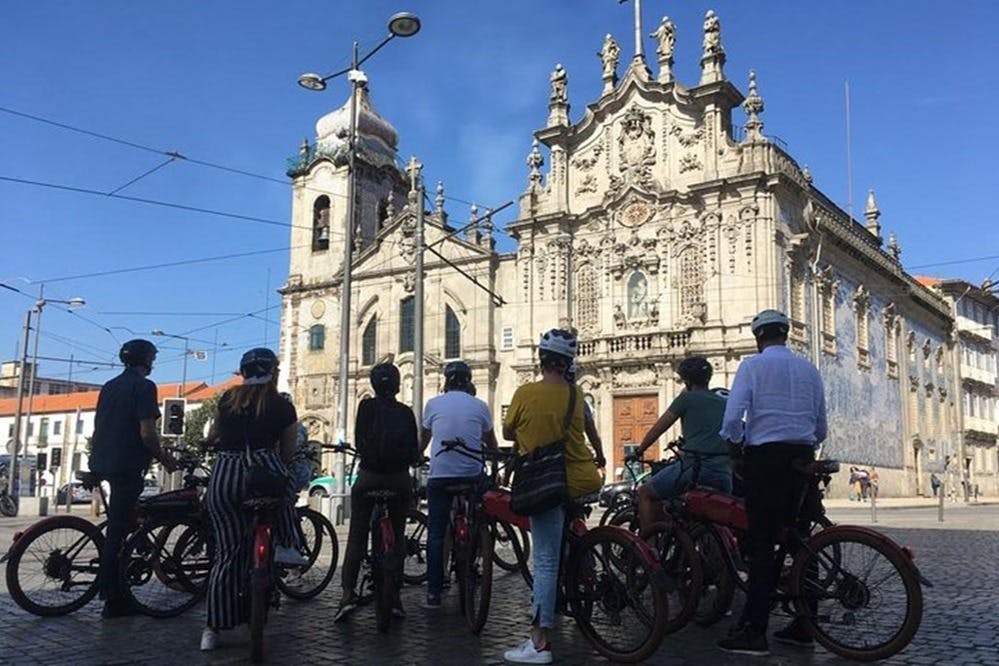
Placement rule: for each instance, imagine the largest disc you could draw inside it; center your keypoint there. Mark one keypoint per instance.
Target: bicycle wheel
(415, 564)
(52, 569)
(857, 593)
(478, 579)
(626, 517)
(321, 547)
(506, 537)
(609, 593)
(622, 502)
(718, 587)
(8, 506)
(164, 566)
(682, 566)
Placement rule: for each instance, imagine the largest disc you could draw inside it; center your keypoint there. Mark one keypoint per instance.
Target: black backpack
(387, 441)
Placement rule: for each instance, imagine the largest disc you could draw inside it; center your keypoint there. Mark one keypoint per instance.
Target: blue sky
(216, 81)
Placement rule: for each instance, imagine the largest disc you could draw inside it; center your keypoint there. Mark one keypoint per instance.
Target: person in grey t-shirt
(453, 415)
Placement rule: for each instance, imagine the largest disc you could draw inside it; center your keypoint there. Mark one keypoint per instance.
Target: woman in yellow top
(535, 419)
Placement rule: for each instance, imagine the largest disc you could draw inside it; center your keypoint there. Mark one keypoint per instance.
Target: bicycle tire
(8, 507)
(504, 536)
(855, 594)
(478, 579)
(588, 590)
(259, 601)
(680, 561)
(305, 586)
(415, 563)
(86, 533)
(718, 586)
(163, 568)
(624, 501)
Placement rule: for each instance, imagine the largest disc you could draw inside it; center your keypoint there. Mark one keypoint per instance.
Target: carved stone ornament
(635, 214)
(409, 282)
(635, 377)
(406, 246)
(636, 151)
(689, 162)
(619, 319)
(634, 254)
(318, 309)
(687, 138)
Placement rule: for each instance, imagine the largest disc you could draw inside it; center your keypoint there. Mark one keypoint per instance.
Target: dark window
(452, 334)
(79, 427)
(368, 339)
(57, 428)
(407, 328)
(321, 224)
(317, 337)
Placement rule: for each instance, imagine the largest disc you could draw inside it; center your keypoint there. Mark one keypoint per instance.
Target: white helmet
(770, 318)
(558, 343)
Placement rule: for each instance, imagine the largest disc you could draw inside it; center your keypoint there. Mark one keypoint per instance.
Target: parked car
(150, 488)
(326, 486)
(80, 494)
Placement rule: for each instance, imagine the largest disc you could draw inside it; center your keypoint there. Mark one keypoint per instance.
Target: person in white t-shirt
(453, 415)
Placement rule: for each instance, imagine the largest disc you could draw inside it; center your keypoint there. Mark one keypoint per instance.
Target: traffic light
(173, 416)
(56, 457)
(40, 462)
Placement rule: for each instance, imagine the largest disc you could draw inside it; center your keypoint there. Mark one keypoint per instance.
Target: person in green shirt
(699, 410)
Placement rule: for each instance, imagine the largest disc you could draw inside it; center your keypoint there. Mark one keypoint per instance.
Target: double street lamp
(402, 24)
(17, 464)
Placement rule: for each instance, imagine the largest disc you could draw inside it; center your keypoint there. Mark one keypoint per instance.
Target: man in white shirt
(454, 415)
(777, 409)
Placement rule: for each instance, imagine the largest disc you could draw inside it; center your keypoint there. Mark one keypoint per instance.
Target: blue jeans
(673, 479)
(546, 543)
(438, 513)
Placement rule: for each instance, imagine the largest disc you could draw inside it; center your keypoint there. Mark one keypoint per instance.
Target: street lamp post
(402, 24)
(18, 463)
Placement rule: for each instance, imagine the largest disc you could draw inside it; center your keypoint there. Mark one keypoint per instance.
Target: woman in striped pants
(254, 426)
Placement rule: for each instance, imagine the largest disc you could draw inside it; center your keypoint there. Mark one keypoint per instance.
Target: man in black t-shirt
(124, 442)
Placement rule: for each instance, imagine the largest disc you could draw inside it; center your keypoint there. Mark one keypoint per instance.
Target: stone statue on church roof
(609, 55)
(665, 36)
(712, 34)
(560, 82)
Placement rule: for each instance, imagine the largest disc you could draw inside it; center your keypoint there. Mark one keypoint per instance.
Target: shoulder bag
(539, 482)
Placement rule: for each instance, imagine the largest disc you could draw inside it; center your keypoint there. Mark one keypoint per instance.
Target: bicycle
(823, 588)
(609, 580)
(52, 566)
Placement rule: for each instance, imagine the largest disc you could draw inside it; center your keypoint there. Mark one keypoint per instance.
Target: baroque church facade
(653, 225)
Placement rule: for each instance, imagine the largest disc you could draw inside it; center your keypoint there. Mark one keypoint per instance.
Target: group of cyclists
(775, 412)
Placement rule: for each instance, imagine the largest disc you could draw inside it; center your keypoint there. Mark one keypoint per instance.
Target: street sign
(200, 355)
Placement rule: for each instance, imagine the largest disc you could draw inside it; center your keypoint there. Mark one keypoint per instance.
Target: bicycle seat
(89, 480)
(381, 494)
(818, 467)
(460, 488)
(262, 503)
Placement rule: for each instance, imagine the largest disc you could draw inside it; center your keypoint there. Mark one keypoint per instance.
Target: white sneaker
(528, 654)
(209, 639)
(289, 557)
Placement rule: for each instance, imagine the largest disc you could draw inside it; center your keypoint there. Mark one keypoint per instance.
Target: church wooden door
(634, 415)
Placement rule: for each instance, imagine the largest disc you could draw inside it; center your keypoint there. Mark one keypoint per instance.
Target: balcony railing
(651, 344)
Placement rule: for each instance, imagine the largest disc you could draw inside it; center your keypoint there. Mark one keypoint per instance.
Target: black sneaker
(794, 634)
(345, 608)
(748, 641)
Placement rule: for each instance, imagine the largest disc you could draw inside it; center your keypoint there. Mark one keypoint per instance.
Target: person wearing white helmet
(777, 409)
(535, 419)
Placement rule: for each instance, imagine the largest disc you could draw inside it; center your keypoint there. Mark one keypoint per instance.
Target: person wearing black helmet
(540, 414)
(777, 410)
(454, 415)
(253, 426)
(386, 439)
(124, 443)
(699, 411)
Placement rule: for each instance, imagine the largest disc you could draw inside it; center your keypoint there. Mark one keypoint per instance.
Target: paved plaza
(960, 621)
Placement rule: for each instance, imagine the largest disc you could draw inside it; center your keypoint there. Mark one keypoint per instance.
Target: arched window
(368, 342)
(317, 337)
(638, 295)
(407, 324)
(321, 224)
(452, 334)
(587, 298)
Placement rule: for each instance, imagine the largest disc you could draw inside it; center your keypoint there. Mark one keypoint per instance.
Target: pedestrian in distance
(124, 443)
(455, 415)
(387, 443)
(874, 482)
(541, 414)
(777, 409)
(935, 484)
(253, 426)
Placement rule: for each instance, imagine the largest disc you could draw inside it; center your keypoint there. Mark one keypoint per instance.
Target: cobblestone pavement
(960, 626)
